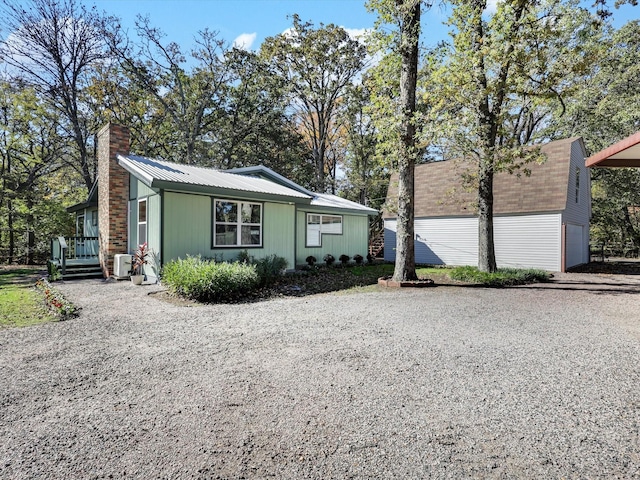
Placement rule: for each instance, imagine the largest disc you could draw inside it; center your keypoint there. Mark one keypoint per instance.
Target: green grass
(364, 278)
(20, 304)
(502, 278)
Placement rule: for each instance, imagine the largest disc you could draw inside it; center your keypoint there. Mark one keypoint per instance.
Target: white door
(575, 245)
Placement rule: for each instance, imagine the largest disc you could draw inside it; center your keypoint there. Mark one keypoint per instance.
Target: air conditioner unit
(121, 265)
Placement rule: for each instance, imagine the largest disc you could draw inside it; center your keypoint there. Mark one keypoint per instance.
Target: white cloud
(357, 33)
(492, 6)
(245, 41)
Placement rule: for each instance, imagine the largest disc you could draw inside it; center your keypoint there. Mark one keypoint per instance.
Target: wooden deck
(76, 257)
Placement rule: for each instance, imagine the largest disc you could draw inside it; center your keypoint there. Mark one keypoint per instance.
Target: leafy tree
(404, 46)
(497, 82)
(221, 107)
(604, 108)
(256, 128)
(31, 153)
(318, 66)
(52, 46)
(616, 207)
(185, 105)
(364, 173)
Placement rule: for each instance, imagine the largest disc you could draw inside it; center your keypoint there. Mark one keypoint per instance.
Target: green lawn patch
(323, 279)
(504, 277)
(20, 303)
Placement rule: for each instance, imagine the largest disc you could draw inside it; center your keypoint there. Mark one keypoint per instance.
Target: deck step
(89, 270)
(87, 274)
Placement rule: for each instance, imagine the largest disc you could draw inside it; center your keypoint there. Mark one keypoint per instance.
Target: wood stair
(79, 271)
(376, 245)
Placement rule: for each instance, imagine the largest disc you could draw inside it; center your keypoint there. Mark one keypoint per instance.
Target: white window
(317, 225)
(142, 221)
(237, 224)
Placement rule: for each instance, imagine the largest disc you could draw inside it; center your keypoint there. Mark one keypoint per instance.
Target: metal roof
(262, 171)
(333, 201)
(625, 153)
(158, 172)
(152, 172)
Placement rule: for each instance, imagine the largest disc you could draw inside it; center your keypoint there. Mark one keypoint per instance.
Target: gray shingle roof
(439, 190)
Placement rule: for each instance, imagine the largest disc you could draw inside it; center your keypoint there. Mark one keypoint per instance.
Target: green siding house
(184, 210)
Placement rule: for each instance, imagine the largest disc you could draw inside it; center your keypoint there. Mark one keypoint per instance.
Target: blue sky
(251, 21)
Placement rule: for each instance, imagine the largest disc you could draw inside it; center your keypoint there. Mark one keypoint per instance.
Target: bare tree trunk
(405, 267)
(630, 231)
(12, 237)
(486, 247)
(31, 238)
(487, 129)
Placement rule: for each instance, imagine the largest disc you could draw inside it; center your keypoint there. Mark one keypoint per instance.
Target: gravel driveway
(532, 382)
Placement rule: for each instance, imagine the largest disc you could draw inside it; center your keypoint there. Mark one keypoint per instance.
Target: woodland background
(315, 105)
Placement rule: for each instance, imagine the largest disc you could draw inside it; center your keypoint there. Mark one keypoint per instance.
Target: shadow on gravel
(611, 267)
(599, 288)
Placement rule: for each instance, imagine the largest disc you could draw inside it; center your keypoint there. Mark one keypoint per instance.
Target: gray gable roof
(439, 189)
(155, 173)
(251, 180)
(317, 199)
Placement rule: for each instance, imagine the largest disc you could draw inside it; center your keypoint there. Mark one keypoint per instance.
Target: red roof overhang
(625, 153)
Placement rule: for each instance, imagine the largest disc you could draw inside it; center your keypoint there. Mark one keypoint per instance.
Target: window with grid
(237, 224)
(317, 225)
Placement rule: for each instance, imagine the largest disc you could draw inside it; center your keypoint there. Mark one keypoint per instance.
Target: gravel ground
(532, 382)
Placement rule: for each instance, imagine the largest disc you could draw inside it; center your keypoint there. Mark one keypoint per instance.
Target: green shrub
(344, 259)
(311, 260)
(269, 268)
(244, 257)
(208, 281)
(329, 259)
(503, 277)
(53, 274)
(358, 259)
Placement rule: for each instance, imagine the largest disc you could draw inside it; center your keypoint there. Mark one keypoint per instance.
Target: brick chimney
(113, 195)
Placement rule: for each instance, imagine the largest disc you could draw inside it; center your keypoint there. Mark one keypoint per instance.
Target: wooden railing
(73, 248)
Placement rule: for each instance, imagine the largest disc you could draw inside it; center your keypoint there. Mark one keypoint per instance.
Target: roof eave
(227, 192)
(142, 176)
(602, 158)
(335, 209)
(81, 206)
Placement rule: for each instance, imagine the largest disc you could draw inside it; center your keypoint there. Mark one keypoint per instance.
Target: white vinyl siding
(522, 241)
(439, 241)
(449, 241)
(578, 213)
(528, 241)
